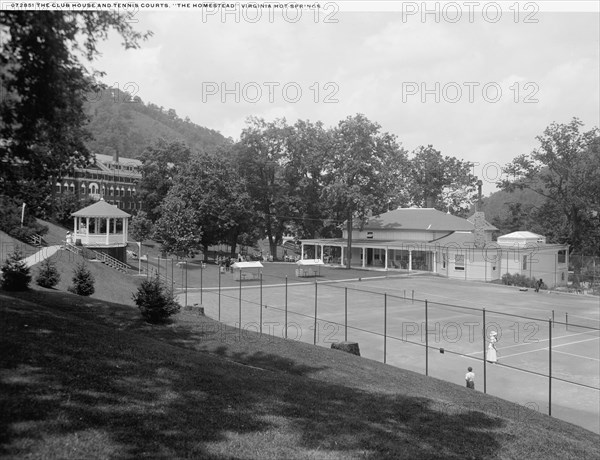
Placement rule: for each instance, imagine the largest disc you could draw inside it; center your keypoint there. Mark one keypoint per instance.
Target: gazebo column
(107, 230)
(434, 268)
(321, 257)
(342, 255)
(125, 230)
(409, 260)
(364, 257)
(385, 263)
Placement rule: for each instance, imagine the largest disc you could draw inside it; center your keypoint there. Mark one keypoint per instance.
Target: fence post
(186, 265)
(315, 338)
(201, 280)
(219, 274)
(286, 306)
(426, 339)
(552, 318)
(549, 368)
(261, 302)
(384, 327)
(413, 296)
(484, 355)
(566, 321)
(346, 314)
(240, 303)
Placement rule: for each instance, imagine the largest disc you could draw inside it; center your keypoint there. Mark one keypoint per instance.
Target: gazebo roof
(100, 209)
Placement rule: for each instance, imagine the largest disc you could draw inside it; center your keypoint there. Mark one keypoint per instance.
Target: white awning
(310, 262)
(243, 265)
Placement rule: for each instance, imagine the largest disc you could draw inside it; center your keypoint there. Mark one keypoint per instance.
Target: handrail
(109, 260)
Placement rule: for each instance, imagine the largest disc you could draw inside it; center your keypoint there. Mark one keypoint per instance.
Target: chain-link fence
(550, 364)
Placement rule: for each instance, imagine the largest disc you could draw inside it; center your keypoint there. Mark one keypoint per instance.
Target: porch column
(342, 255)
(434, 268)
(385, 263)
(107, 229)
(301, 250)
(321, 246)
(364, 257)
(409, 260)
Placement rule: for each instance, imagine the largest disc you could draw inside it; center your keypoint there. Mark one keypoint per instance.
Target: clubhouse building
(428, 240)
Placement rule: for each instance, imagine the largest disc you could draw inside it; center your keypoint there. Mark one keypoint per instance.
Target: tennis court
(539, 334)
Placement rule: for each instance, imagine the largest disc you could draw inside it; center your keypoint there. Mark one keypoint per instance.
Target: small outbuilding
(246, 270)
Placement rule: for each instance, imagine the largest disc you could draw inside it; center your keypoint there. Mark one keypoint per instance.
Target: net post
(315, 336)
(346, 314)
(484, 355)
(426, 339)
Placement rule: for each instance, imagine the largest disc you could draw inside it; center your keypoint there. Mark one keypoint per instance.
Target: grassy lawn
(85, 378)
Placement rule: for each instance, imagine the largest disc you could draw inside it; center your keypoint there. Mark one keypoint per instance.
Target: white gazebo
(103, 227)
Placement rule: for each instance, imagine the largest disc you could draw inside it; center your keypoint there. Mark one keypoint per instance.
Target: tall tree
(441, 182)
(565, 169)
(161, 162)
(308, 145)
(210, 200)
(263, 159)
(43, 84)
(364, 171)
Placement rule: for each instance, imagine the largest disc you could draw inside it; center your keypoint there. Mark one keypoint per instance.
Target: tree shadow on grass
(73, 389)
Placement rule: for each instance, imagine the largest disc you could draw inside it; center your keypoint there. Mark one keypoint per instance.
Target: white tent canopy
(244, 265)
(308, 262)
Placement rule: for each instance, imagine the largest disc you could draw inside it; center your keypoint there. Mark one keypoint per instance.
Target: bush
(16, 274)
(48, 275)
(521, 281)
(155, 301)
(83, 281)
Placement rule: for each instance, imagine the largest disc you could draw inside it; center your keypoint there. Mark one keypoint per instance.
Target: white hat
(493, 333)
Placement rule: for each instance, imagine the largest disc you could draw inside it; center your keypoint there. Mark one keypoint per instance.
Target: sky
(477, 81)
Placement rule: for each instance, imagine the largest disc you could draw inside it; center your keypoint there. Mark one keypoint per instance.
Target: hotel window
(72, 188)
(58, 187)
(82, 188)
(459, 262)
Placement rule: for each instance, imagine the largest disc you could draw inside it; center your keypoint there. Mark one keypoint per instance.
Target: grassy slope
(83, 378)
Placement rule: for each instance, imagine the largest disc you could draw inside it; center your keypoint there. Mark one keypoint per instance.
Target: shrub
(83, 281)
(48, 275)
(521, 281)
(155, 301)
(16, 274)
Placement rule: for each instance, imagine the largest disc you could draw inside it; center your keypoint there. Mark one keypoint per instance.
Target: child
(470, 378)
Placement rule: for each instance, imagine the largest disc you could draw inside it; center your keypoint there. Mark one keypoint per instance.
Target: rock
(348, 347)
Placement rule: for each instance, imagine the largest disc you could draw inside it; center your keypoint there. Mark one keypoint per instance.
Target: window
(83, 188)
(444, 261)
(562, 257)
(459, 262)
(524, 263)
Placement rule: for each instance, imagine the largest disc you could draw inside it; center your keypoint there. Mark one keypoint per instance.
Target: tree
(48, 276)
(161, 162)
(364, 172)
(141, 227)
(309, 145)
(208, 204)
(155, 301)
(83, 281)
(444, 183)
(262, 157)
(44, 86)
(565, 170)
(16, 274)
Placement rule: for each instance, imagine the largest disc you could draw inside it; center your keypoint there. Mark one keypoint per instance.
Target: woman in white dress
(491, 351)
